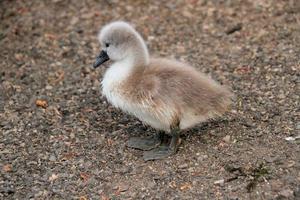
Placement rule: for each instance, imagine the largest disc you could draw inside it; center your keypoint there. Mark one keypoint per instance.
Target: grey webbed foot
(163, 151)
(145, 144)
(160, 152)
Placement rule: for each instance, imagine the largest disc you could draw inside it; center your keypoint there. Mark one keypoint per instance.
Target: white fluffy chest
(115, 94)
(112, 89)
(114, 77)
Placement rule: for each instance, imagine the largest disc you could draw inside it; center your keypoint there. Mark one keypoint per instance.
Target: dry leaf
(185, 186)
(220, 182)
(60, 76)
(187, 14)
(222, 144)
(88, 110)
(22, 10)
(227, 139)
(53, 177)
(69, 156)
(103, 197)
(84, 176)
(172, 184)
(41, 103)
(243, 69)
(18, 56)
(88, 15)
(109, 142)
(82, 198)
(97, 13)
(50, 36)
(7, 168)
(123, 188)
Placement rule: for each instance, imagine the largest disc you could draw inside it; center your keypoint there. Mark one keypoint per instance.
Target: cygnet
(169, 96)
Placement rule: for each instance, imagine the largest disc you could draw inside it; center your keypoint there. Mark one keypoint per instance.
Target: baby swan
(167, 95)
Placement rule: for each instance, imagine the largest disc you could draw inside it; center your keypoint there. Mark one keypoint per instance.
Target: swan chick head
(119, 40)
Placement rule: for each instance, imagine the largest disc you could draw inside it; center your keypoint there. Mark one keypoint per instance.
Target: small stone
(123, 170)
(272, 158)
(49, 87)
(292, 138)
(202, 157)
(227, 139)
(72, 135)
(52, 158)
(281, 96)
(116, 187)
(234, 28)
(18, 56)
(191, 169)
(183, 166)
(151, 37)
(291, 163)
(88, 164)
(286, 193)
(219, 182)
(276, 185)
(53, 177)
(121, 187)
(185, 186)
(289, 139)
(187, 14)
(117, 132)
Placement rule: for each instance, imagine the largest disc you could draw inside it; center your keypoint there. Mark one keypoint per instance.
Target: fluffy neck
(133, 64)
(115, 75)
(139, 52)
(136, 60)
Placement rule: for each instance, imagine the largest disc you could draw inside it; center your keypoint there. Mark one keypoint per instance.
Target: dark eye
(107, 44)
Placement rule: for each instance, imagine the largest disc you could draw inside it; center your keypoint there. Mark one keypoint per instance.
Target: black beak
(102, 58)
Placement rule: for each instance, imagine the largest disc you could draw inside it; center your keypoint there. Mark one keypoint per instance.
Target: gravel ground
(72, 145)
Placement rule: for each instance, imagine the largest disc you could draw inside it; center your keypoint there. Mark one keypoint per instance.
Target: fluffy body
(161, 93)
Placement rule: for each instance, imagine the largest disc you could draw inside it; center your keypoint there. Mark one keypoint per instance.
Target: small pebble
(276, 185)
(292, 138)
(219, 182)
(52, 158)
(53, 177)
(183, 166)
(287, 193)
(227, 139)
(122, 187)
(49, 87)
(72, 135)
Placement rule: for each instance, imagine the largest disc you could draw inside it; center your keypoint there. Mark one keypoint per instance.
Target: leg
(147, 143)
(164, 151)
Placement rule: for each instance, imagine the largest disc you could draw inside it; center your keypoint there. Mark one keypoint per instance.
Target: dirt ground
(72, 146)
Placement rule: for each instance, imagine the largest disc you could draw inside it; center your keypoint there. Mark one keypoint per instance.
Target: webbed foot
(163, 151)
(160, 152)
(145, 144)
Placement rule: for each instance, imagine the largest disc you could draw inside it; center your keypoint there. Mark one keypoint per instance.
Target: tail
(224, 101)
